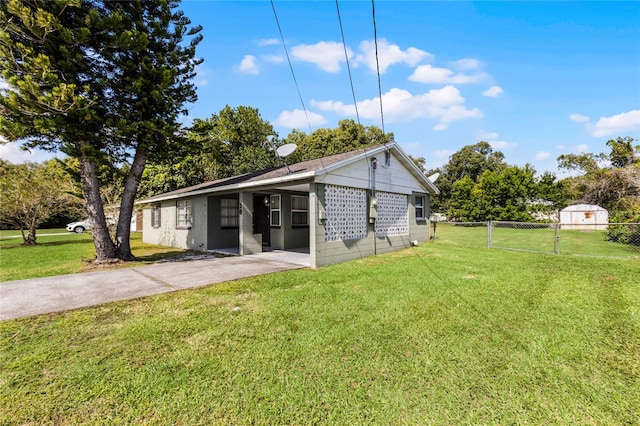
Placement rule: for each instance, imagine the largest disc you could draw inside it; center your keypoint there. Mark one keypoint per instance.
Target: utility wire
(291, 66)
(375, 40)
(346, 57)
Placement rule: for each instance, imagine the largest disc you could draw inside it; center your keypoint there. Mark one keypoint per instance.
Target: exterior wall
(591, 218)
(287, 236)
(328, 252)
(217, 236)
(392, 178)
(194, 238)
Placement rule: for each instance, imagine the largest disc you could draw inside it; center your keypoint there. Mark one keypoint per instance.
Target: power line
(291, 66)
(375, 40)
(346, 57)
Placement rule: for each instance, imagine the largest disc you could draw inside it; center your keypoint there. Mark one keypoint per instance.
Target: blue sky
(535, 79)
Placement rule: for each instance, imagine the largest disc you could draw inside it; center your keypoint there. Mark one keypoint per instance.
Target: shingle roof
(297, 168)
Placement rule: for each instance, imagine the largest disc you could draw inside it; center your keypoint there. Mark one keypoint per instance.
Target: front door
(261, 223)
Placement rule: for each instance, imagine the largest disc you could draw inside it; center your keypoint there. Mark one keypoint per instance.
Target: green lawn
(572, 242)
(439, 334)
(63, 253)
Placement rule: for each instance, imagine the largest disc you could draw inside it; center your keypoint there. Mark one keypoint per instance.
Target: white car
(79, 227)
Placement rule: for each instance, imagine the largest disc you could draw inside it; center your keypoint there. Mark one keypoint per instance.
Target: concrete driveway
(37, 296)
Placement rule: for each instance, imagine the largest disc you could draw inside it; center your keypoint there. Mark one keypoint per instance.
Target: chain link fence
(620, 240)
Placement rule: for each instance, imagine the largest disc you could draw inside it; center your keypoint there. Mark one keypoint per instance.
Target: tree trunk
(105, 249)
(30, 239)
(123, 232)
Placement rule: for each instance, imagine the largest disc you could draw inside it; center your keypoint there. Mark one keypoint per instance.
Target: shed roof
(583, 208)
(299, 171)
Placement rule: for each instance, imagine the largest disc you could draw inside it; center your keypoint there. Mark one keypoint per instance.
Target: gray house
(336, 208)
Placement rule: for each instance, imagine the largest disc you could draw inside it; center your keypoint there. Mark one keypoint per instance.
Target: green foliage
(33, 193)
(511, 194)
(101, 81)
(348, 136)
(471, 161)
(613, 182)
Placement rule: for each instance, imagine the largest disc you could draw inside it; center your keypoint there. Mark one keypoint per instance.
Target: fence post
(556, 240)
(489, 227)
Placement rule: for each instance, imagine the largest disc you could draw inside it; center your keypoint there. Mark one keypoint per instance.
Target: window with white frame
(299, 210)
(156, 209)
(229, 212)
(420, 207)
(275, 210)
(183, 213)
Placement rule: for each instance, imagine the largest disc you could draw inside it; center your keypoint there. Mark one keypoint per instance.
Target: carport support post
(248, 243)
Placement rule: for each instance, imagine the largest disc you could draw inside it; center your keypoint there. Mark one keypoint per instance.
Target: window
(420, 208)
(183, 214)
(155, 215)
(299, 210)
(229, 217)
(275, 210)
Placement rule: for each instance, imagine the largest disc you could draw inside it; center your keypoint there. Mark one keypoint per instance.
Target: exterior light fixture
(266, 201)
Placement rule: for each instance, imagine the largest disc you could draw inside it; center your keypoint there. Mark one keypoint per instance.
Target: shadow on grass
(6, 246)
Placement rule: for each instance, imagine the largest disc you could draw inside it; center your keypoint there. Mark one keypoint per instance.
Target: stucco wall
(167, 234)
(328, 252)
(217, 236)
(288, 236)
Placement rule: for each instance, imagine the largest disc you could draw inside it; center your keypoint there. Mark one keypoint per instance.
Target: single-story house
(586, 217)
(336, 208)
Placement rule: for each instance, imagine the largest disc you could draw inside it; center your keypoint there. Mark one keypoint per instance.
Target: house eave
(233, 187)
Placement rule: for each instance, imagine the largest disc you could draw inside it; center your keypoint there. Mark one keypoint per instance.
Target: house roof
(299, 171)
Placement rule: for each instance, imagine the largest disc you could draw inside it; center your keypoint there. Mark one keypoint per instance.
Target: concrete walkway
(55, 294)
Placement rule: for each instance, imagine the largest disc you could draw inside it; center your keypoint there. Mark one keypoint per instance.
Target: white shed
(586, 217)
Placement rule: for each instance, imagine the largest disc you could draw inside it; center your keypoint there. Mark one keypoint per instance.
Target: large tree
(471, 161)
(101, 81)
(33, 193)
(348, 136)
(610, 180)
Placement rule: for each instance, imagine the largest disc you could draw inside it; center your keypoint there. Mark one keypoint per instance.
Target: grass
(63, 253)
(439, 334)
(572, 242)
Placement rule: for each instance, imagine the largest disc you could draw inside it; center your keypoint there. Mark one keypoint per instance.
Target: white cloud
(582, 147)
(467, 64)
(445, 104)
(618, 124)
(273, 58)
(3, 84)
(268, 42)
(578, 118)
(502, 144)
(493, 91)
(388, 54)
(442, 153)
(297, 119)
(440, 127)
(11, 151)
(202, 73)
(542, 155)
(487, 135)
(326, 55)
(248, 65)
(434, 75)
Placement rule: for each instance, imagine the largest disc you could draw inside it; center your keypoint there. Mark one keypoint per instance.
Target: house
(336, 208)
(586, 217)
